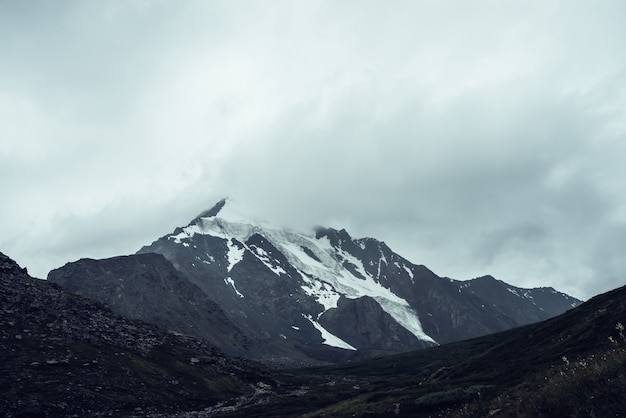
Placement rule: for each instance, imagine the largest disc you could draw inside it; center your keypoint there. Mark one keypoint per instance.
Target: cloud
(501, 180)
(474, 138)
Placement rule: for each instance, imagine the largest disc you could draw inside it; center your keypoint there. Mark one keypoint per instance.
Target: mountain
(322, 296)
(64, 355)
(148, 287)
(570, 365)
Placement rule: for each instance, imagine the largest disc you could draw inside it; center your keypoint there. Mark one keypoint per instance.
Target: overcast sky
(482, 137)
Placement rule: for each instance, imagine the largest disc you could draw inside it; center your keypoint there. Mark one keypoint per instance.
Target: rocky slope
(147, 287)
(64, 355)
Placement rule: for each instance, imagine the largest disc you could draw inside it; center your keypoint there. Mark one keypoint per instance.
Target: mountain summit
(324, 295)
(230, 210)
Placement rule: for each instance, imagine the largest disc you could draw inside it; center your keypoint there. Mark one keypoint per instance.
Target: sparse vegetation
(450, 396)
(590, 386)
(567, 366)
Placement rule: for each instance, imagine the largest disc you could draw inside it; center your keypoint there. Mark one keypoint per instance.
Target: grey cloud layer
(473, 138)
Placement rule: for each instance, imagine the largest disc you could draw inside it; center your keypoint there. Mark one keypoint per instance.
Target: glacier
(320, 265)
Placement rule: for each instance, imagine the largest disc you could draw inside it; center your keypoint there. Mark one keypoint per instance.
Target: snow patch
(323, 293)
(406, 317)
(512, 291)
(187, 232)
(231, 282)
(265, 258)
(329, 339)
(235, 254)
(409, 271)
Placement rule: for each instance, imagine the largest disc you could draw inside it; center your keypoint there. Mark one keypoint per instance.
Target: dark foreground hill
(64, 355)
(571, 365)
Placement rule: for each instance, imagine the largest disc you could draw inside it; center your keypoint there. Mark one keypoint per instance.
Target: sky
(483, 137)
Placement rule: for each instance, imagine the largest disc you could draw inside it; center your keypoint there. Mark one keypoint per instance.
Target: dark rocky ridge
(64, 355)
(147, 287)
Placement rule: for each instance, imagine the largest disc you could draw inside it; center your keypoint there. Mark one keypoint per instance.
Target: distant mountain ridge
(323, 296)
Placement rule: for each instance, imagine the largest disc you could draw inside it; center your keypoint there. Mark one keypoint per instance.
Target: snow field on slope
(262, 255)
(344, 282)
(329, 339)
(235, 254)
(232, 222)
(323, 292)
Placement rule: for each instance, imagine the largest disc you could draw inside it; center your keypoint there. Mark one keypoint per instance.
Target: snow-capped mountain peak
(233, 211)
(227, 219)
(318, 263)
(330, 288)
